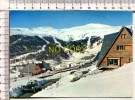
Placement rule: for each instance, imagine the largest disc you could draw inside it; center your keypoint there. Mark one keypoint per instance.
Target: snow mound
(14, 75)
(15, 92)
(75, 76)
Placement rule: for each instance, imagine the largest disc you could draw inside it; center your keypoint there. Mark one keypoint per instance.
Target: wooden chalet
(27, 68)
(34, 69)
(116, 49)
(40, 68)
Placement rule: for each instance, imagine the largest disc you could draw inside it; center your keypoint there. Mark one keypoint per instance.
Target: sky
(68, 19)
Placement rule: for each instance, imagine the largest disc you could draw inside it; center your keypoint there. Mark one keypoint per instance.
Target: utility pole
(28, 70)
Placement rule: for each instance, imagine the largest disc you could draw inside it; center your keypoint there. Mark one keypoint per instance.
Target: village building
(40, 68)
(27, 69)
(116, 49)
(34, 69)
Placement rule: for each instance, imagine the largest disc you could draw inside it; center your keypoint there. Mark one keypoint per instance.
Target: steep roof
(129, 31)
(40, 65)
(108, 41)
(27, 68)
(47, 66)
(44, 65)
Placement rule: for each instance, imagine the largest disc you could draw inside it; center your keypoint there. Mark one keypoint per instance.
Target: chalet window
(113, 61)
(120, 47)
(123, 36)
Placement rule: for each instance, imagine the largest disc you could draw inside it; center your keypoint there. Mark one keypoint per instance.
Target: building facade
(117, 49)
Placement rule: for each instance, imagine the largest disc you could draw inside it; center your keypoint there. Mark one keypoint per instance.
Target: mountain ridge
(76, 33)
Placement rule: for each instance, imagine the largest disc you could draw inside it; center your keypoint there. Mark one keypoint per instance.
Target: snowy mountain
(33, 43)
(23, 47)
(67, 34)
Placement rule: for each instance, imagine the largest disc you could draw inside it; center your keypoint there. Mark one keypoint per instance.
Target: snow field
(116, 83)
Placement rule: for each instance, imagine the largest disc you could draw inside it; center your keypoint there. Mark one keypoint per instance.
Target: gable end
(108, 42)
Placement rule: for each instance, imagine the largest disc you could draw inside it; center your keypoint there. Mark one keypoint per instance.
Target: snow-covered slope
(74, 33)
(117, 83)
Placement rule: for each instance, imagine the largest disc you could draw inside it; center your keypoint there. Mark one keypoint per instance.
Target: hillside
(117, 83)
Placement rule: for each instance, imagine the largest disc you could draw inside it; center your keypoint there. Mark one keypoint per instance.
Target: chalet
(40, 68)
(27, 68)
(116, 49)
(34, 69)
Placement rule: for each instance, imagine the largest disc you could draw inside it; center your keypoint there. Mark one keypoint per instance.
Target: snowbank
(14, 75)
(15, 86)
(15, 92)
(75, 76)
(117, 83)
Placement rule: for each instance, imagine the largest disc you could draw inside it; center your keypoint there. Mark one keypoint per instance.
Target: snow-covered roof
(27, 68)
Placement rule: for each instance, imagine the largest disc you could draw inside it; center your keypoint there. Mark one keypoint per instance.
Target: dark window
(110, 61)
(113, 61)
(120, 47)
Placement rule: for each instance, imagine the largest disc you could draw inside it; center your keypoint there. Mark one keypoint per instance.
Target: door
(122, 61)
